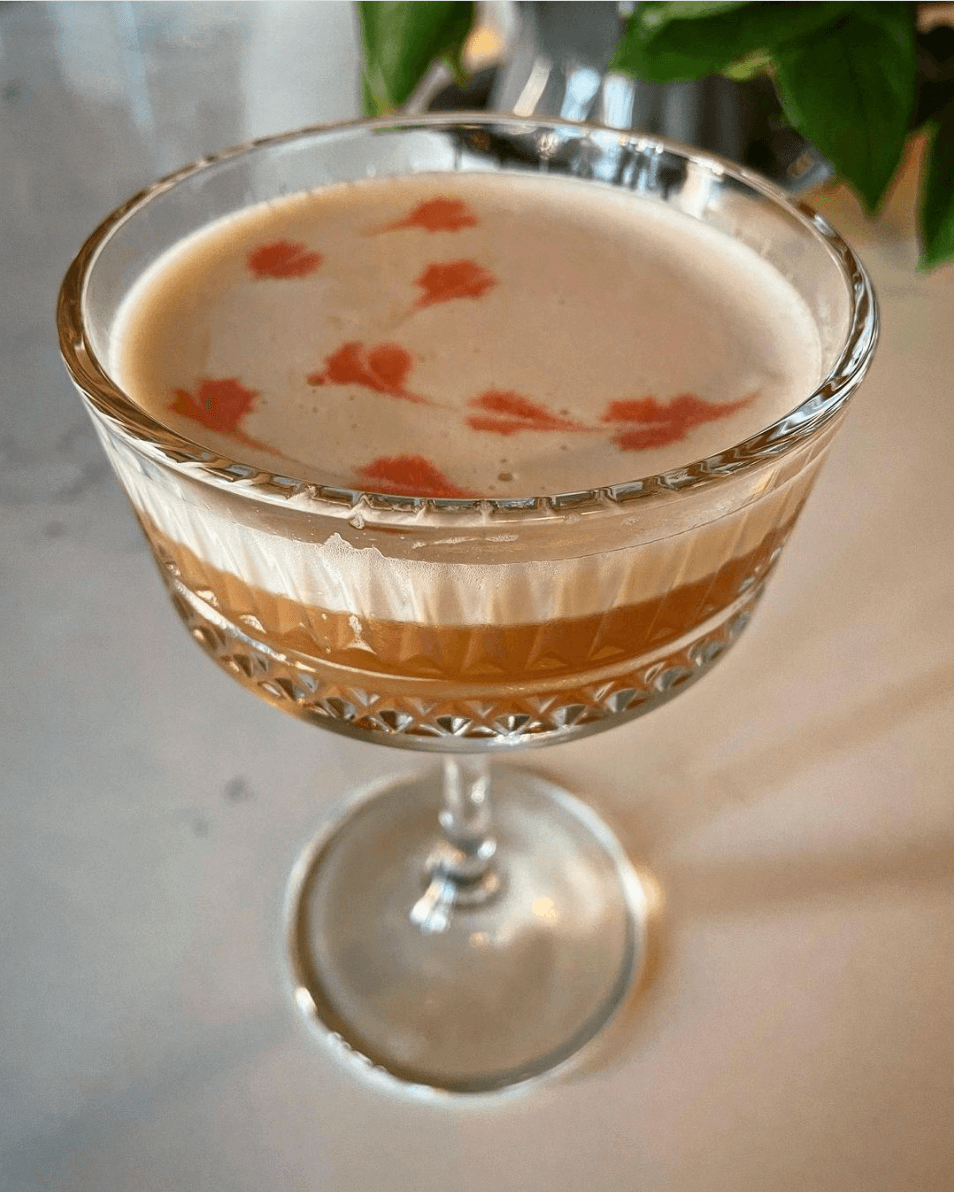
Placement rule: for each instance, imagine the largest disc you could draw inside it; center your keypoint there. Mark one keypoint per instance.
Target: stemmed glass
(458, 945)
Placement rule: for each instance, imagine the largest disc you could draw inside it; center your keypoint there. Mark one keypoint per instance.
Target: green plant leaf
(671, 42)
(850, 89)
(936, 215)
(400, 43)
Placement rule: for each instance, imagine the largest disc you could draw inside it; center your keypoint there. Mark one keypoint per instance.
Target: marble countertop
(793, 813)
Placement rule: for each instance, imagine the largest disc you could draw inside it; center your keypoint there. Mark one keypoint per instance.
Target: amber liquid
(469, 654)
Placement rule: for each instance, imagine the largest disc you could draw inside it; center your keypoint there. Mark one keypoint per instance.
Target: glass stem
(460, 870)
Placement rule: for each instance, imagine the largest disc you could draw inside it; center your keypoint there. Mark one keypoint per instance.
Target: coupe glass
(456, 950)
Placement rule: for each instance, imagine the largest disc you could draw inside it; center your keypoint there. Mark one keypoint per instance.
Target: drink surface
(465, 335)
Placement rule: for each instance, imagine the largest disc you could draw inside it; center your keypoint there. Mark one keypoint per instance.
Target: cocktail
(465, 434)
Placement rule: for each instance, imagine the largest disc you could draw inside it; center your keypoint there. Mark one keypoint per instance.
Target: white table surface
(794, 812)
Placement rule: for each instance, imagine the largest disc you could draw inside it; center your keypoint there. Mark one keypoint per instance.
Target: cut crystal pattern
(437, 715)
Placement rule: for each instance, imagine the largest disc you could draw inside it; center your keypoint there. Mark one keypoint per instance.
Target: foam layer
(490, 335)
(482, 335)
(341, 578)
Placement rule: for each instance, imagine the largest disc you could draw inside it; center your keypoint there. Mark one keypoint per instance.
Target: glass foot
(474, 991)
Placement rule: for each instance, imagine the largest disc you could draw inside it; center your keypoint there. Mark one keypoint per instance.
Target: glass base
(507, 984)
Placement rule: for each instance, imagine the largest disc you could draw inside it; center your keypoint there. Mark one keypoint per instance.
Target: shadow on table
(680, 893)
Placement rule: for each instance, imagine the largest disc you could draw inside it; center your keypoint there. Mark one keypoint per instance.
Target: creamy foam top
(493, 335)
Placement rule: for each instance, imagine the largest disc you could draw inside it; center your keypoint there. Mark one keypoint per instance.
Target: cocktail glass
(456, 949)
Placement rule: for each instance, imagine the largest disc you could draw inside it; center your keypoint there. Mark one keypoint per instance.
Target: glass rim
(176, 450)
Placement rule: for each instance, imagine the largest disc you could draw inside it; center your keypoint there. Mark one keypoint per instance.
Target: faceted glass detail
(399, 716)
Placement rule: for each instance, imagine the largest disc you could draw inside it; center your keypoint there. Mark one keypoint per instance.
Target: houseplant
(859, 80)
